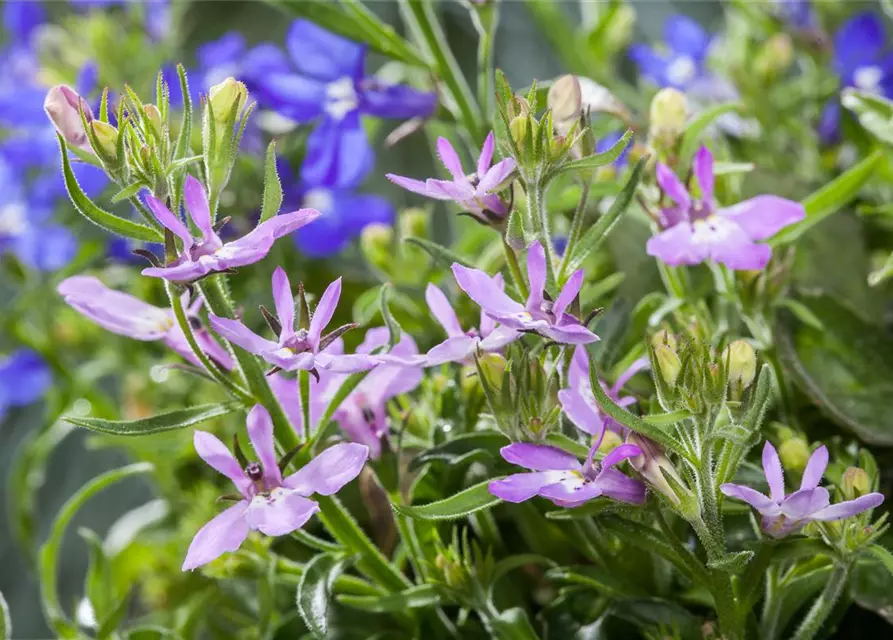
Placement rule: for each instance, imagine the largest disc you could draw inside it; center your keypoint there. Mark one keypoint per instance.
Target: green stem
(304, 390)
(824, 604)
(212, 369)
(785, 393)
(772, 602)
(486, 19)
(536, 205)
(515, 268)
(576, 230)
(213, 291)
(749, 586)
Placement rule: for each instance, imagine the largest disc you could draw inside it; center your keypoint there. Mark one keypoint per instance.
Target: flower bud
(106, 136)
(414, 223)
(493, 366)
(63, 106)
(154, 118)
(376, 243)
(668, 363)
(565, 99)
(518, 129)
(775, 56)
(669, 112)
(610, 441)
(654, 466)
(226, 97)
(664, 337)
(742, 363)
(794, 453)
(856, 483)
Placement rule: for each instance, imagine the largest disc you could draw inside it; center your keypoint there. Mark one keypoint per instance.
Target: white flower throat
(12, 219)
(868, 78)
(341, 98)
(681, 70)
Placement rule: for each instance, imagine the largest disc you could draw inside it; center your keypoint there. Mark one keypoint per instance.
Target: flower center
(298, 343)
(341, 98)
(681, 70)
(13, 221)
(254, 471)
(868, 78)
(319, 199)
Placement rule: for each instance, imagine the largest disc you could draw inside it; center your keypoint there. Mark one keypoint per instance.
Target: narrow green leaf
(464, 503)
(97, 583)
(177, 419)
(110, 623)
(803, 313)
(184, 140)
(128, 192)
(598, 232)
(394, 330)
(315, 588)
(513, 624)
(440, 254)
(5, 620)
(882, 554)
(875, 112)
(696, 128)
(571, 446)
(665, 419)
(49, 551)
(830, 198)
(451, 450)
(596, 160)
(272, 185)
(420, 597)
(97, 216)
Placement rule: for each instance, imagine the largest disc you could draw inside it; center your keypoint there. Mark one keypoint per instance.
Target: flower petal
(849, 508)
(702, 165)
(450, 159)
(322, 54)
(240, 335)
(764, 216)
(571, 491)
(751, 496)
(539, 457)
(523, 486)
(197, 205)
(349, 363)
(676, 246)
(186, 271)
(398, 101)
(486, 156)
(536, 273)
(580, 411)
(169, 220)
(859, 42)
(260, 431)
(329, 471)
(802, 504)
(418, 186)
(686, 36)
(455, 349)
(443, 311)
(218, 457)
(255, 245)
(480, 287)
(283, 511)
(498, 338)
(728, 244)
(324, 311)
(496, 175)
(565, 333)
(284, 302)
(618, 486)
(620, 453)
(670, 185)
(568, 293)
(774, 474)
(294, 96)
(224, 533)
(815, 468)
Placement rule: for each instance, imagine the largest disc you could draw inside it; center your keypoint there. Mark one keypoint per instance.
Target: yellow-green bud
(664, 337)
(153, 115)
(610, 442)
(775, 56)
(565, 99)
(669, 112)
(794, 453)
(414, 223)
(225, 97)
(376, 243)
(107, 136)
(668, 363)
(493, 366)
(518, 129)
(742, 363)
(855, 483)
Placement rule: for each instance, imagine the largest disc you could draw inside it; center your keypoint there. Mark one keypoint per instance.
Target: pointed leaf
(420, 597)
(394, 329)
(441, 254)
(691, 139)
(450, 451)
(464, 503)
(314, 590)
(177, 419)
(272, 186)
(596, 160)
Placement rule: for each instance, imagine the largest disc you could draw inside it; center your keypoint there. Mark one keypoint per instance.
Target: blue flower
(608, 141)
(862, 59)
(331, 86)
(20, 18)
(797, 13)
(24, 378)
(687, 44)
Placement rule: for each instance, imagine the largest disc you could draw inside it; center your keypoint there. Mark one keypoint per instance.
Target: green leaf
(440, 254)
(846, 367)
(598, 232)
(830, 198)
(802, 312)
(110, 623)
(5, 620)
(315, 588)
(884, 556)
(49, 551)
(732, 562)
(420, 597)
(596, 160)
(511, 563)
(353, 21)
(99, 217)
(97, 583)
(691, 139)
(464, 503)
(593, 577)
(272, 185)
(571, 446)
(177, 419)
(461, 445)
(394, 330)
(128, 192)
(513, 624)
(875, 112)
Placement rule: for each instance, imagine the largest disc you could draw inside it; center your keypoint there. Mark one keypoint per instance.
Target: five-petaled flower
(695, 229)
(474, 192)
(538, 314)
(269, 503)
(461, 345)
(208, 254)
(683, 63)
(559, 476)
(296, 348)
(785, 514)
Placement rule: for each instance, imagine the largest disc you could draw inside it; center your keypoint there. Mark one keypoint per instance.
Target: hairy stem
(824, 604)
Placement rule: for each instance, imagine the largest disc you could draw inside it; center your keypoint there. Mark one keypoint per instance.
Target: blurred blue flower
(330, 85)
(863, 59)
(24, 378)
(21, 17)
(607, 141)
(345, 214)
(687, 44)
(797, 13)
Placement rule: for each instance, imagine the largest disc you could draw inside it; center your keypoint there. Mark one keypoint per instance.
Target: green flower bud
(414, 223)
(775, 56)
(794, 453)
(493, 366)
(107, 136)
(855, 483)
(664, 337)
(518, 128)
(742, 363)
(153, 115)
(668, 363)
(669, 112)
(377, 245)
(226, 97)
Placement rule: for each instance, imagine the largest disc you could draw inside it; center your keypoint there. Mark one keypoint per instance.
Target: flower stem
(304, 391)
(486, 19)
(824, 604)
(515, 268)
(575, 232)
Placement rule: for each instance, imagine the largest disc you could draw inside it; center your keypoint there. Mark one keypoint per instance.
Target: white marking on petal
(682, 70)
(868, 78)
(341, 98)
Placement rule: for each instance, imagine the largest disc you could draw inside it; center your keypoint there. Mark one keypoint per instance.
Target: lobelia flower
(785, 514)
(797, 13)
(269, 503)
(558, 476)
(63, 106)
(201, 256)
(863, 59)
(330, 85)
(589, 418)
(695, 229)
(472, 192)
(24, 379)
(538, 314)
(460, 346)
(296, 349)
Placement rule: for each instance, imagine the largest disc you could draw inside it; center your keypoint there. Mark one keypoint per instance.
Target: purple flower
(538, 314)
(473, 192)
(695, 229)
(20, 18)
(24, 378)
(579, 402)
(559, 476)
(461, 345)
(331, 86)
(862, 59)
(786, 514)
(128, 316)
(797, 13)
(270, 503)
(684, 61)
(301, 348)
(201, 256)
(63, 107)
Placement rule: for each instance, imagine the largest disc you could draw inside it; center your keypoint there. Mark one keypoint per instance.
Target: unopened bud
(669, 112)
(518, 129)
(414, 223)
(794, 453)
(377, 245)
(668, 363)
(654, 466)
(742, 363)
(775, 56)
(153, 115)
(493, 366)
(610, 441)
(664, 337)
(565, 99)
(856, 483)
(63, 105)
(226, 97)
(106, 136)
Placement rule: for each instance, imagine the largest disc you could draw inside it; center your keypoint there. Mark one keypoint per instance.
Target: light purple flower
(461, 345)
(208, 254)
(125, 315)
(559, 476)
(63, 107)
(695, 229)
(270, 503)
(579, 402)
(472, 192)
(786, 514)
(538, 314)
(296, 349)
